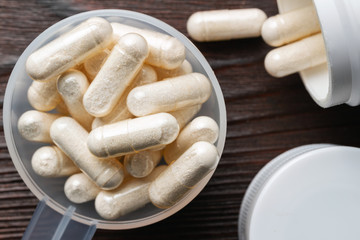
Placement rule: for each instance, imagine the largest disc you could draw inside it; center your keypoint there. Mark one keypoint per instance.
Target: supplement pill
(43, 96)
(130, 196)
(117, 73)
(79, 188)
(72, 86)
(120, 112)
(35, 125)
(291, 26)
(183, 174)
(71, 137)
(141, 164)
(132, 135)
(295, 57)
(170, 94)
(164, 51)
(200, 129)
(50, 161)
(69, 49)
(225, 24)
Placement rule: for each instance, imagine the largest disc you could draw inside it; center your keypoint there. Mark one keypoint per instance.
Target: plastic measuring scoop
(49, 224)
(55, 216)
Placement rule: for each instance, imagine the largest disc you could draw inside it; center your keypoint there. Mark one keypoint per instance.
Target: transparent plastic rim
(37, 191)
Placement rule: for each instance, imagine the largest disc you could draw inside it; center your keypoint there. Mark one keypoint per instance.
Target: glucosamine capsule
(79, 188)
(183, 174)
(185, 68)
(117, 73)
(93, 65)
(202, 128)
(120, 112)
(72, 86)
(130, 196)
(50, 161)
(165, 51)
(66, 51)
(225, 24)
(184, 115)
(170, 94)
(132, 135)
(35, 125)
(297, 56)
(71, 137)
(141, 164)
(43, 96)
(291, 26)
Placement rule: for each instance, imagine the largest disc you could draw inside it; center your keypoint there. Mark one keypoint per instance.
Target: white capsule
(93, 64)
(183, 174)
(295, 57)
(291, 26)
(69, 49)
(185, 68)
(141, 164)
(120, 112)
(165, 51)
(132, 135)
(43, 96)
(50, 161)
(35, 125)
(184, 115)
(71, 137)
(117, 73)
(225, 24)
(72, 86)
(202, 128)
(170, 94)
(79, 188)
(130, 196)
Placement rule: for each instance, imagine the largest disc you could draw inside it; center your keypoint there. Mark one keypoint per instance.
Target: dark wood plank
(266, 116)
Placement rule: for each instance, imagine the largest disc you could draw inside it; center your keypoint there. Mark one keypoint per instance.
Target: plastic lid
(311, 192)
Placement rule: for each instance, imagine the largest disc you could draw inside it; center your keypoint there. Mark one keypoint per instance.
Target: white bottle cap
(310, 192)
(338, 81)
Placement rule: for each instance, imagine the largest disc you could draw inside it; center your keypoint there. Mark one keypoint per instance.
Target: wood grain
(266, 116)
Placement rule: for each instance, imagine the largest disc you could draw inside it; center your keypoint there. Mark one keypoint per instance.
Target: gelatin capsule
(183, 174)
(68, 50)
(225, 24)
(71, 138)
(169, 95)
(72, 86)
(50, 161)
(79, 188)
(35, 125)
(43, 96)
(295, 57)
(117, 73)
(133, 135)
(291, 26)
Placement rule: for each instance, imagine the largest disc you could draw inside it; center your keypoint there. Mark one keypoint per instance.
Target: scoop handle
(47, 223)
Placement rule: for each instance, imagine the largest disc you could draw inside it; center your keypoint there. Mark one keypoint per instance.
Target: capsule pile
(124, 96)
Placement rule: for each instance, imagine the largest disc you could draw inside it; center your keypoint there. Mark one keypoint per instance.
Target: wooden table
(266, 116)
